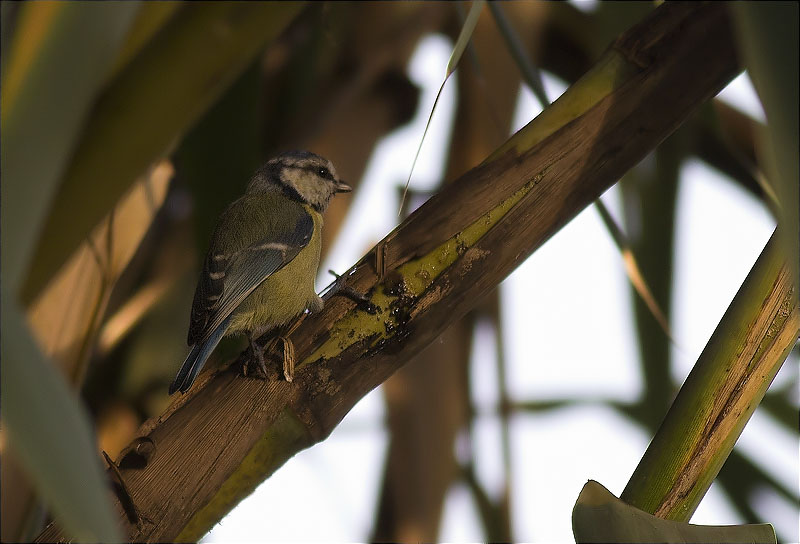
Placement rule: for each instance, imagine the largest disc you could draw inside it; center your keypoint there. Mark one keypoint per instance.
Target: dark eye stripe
(320, 171)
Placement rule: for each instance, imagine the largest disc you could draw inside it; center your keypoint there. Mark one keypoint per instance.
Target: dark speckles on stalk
(395, 285)
(400, 312)
(423, 274)
(461, 246)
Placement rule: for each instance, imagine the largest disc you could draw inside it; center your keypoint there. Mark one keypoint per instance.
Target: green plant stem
(727, 383)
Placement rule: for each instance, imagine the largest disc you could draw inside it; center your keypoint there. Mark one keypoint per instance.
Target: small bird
(259, 272)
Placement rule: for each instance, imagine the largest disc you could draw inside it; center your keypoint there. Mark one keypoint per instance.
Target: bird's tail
(197, 358)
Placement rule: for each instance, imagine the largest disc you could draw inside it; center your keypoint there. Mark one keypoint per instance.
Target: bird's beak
(342, 187)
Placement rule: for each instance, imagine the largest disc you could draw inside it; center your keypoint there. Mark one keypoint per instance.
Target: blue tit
(259, 272)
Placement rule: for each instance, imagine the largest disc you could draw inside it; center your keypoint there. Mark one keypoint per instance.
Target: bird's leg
(258, 354)
(258, 357)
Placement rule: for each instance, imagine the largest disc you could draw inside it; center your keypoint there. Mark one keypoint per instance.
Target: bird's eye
(323, 172)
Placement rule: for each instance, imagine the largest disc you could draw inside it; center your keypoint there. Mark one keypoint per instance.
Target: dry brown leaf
(65, 316)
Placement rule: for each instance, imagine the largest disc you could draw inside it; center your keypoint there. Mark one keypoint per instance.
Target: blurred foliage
(768, 40)
(146, 108)
(219, 87)
(60, 54)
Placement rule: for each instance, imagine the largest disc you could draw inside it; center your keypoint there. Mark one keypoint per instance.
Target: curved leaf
(58, 56)
(768, 34)
(152, 102)
(599, 516)
(48, 429)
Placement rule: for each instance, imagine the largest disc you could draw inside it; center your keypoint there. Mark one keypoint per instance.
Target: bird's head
(303, 175)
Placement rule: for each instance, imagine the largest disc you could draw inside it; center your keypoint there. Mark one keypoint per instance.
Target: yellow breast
(286, 293)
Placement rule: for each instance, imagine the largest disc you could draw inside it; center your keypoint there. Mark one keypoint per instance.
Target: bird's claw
(254, 362)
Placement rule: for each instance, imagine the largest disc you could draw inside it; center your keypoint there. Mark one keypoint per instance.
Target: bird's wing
(238, 262)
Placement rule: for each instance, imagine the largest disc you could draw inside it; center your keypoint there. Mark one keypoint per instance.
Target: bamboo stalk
(726, 385)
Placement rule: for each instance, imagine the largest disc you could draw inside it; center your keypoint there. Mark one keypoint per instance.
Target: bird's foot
(288, 356)
(255, 364)
(255, 360)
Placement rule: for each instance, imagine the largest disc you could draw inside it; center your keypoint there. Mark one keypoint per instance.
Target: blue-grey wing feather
(196, 359)
(244, 272)
(225, 282)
